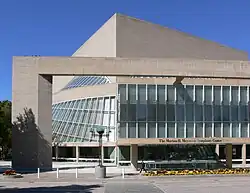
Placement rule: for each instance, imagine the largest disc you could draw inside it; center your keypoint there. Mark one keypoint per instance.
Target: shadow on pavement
(58, 189)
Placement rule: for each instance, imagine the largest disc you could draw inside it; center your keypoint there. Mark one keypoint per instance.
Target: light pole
(100, 170)
(100, 131)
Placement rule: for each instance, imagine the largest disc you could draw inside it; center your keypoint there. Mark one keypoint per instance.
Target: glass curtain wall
(73, 121)
(182, 111)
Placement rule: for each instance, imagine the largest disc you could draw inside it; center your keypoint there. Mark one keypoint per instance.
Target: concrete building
(150, 86)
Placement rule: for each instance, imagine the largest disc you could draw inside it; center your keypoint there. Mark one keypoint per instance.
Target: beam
(133, 67)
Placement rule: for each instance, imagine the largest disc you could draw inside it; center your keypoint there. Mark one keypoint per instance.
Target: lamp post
(100, 170)
(100, 131)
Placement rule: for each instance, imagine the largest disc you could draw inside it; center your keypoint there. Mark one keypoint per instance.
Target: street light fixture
(100, 130)
(100, 170)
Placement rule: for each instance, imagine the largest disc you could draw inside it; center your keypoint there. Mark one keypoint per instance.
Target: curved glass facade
(75, 120)
(183, 111)
(79, 81)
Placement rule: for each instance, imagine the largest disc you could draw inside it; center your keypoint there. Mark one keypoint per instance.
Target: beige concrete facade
(124, 46)
(36, 73)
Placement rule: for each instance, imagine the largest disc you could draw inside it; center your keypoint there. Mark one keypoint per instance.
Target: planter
(198, 172)
(13, 176)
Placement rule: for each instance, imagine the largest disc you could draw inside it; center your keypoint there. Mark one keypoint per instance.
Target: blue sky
(59, 27)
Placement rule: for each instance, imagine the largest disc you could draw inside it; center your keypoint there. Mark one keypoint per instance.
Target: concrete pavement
(179, 184)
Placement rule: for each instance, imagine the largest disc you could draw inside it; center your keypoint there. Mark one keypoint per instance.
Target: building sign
(193, 140)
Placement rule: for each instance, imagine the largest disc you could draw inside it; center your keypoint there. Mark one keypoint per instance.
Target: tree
(5, 128)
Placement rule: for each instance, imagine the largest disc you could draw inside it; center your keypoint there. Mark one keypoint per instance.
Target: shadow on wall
(30, 149)
(71, 188)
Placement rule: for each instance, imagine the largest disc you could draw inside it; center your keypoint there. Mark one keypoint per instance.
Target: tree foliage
(5, 128)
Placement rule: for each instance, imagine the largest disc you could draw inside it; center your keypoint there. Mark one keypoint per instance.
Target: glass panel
(235, 94)
(234, 112)
(180, 94)
(180, 112)
(152, 130)
(171, 130)
(131, 112)
(141, 110)
(68, 115)
(151, 112)
(190, 130)
(94, 103)
(243, 113)
(142, 94)
(208, 94)
(112, 119)
(106, 104)
(199, 129)
(161, 130)
(72, 104)
(244, 130)
(208, 112)
(170, 94)
(122, 130)
(226, 113)
(132, 94)
(217, 95)
(190, 112)
(98, 118)
(131, 130)
(189, 97)
(226, 94)
(112, 104)
(217, 130)
(208, 130)
(100, 103)
(198, 94)
(170, 112)
(180, 130)
(198, 112)
(141, 130)
(161, 94)
(161, 112)
(225, 103)
(226, 130)
(151, 94)
(124, 112)
(217, 113)
(105, 119)
(235, 130)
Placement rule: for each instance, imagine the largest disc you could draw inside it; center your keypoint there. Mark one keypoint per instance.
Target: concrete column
(229, 155)
(77, 154)
(134, 156)
(102, 154)
(117, 156)
(217, 149)
(57, 152)
(31, 138)
(244, 155)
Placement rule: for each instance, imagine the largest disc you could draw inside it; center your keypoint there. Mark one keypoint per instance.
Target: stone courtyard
(85, 182)
(67, 183)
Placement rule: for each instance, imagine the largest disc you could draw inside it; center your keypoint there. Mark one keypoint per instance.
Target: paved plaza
(85, 182)
(67, 183)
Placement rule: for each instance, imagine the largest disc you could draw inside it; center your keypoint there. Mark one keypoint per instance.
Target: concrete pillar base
(134, 156)
(229, 155)
(100, 172)
(244, 160)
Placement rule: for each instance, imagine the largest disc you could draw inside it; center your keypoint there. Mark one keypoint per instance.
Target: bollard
(76, 172)
(57, 172)
(123, 172)
(38, 172)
